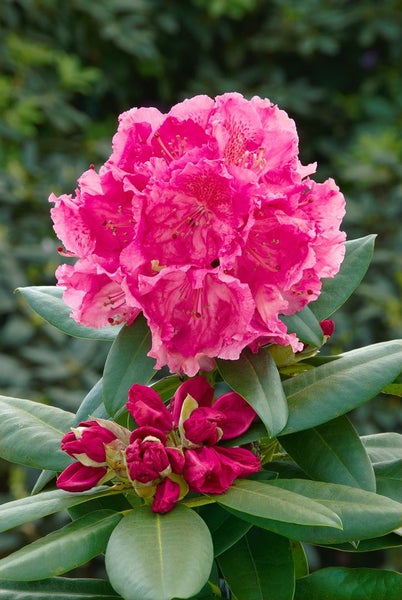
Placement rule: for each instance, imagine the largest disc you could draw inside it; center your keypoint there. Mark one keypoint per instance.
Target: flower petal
(166, 495)
(147, 408)
(238, 414)
(78, 478)
(196, 387)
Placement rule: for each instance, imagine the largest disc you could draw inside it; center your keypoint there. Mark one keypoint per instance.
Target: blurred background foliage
(67, 69)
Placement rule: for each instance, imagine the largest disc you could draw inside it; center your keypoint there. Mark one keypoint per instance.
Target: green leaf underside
(255, 498)
(305, 325)
(336, 291)
(326, 392)
(127, 363)
(62, 550)
(47, 302)
(341, 583)
(58, 588)
(164, 557)
(30, 433)
(256, 378)
(259, 566)
(364, 515)
(17, 512)
(332, 452)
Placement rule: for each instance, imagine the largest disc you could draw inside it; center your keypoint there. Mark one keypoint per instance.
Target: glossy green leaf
(44, 478)
(47, 302)
(300, 561)
(17, 512)
(259, 566)
(389, 479)
(62, 550)
(256, 378)
(305, 325)
(92, 405)
(254, 498)
(127, 363)
(383, 447)
(58, 588)
(167, 386)
(364, 515)
(336, 291)
(30, 433)
(340, 583)
(151, 556)
(326, 392)
(332, 452)
(391, 540)
(226, 529)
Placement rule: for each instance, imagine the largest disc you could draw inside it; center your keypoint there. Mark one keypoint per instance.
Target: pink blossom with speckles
(204, 220)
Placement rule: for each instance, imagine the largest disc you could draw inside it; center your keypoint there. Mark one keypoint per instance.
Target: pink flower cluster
(204, 220)
(173, 450)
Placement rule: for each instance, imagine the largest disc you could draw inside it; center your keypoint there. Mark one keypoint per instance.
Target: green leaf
(167, 386)
(17, 512)
(340, 583)
(151, 556)
(392, 540)
(300, 561)
(127, 363)
(254, 498)
(44, 478)
(30, 433)
(337, 290)
(226, 529)
(389, 480)
(364, 515)
(259, 566)
(47, 302)
(332, 452)
(60, 588)
(92, 405)
(326, 392)
(383, 447)
(256, 378)
(62, 550)
(305, 325)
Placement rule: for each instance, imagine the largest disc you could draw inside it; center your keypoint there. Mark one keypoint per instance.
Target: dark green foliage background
(67, 69)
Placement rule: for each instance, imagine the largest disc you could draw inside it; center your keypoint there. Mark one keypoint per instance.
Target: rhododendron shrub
(204, 245)
(204, 220)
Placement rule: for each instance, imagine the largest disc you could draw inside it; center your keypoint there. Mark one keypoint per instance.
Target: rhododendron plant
(204, 245)
(204, 220)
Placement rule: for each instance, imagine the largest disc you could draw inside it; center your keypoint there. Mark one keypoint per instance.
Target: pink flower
(194, 424)
(87, 444)
(213, 470)
(148, 457)
(205, 220)
(172, 450)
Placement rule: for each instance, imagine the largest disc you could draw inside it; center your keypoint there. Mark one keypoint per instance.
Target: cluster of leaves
(321, 483)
